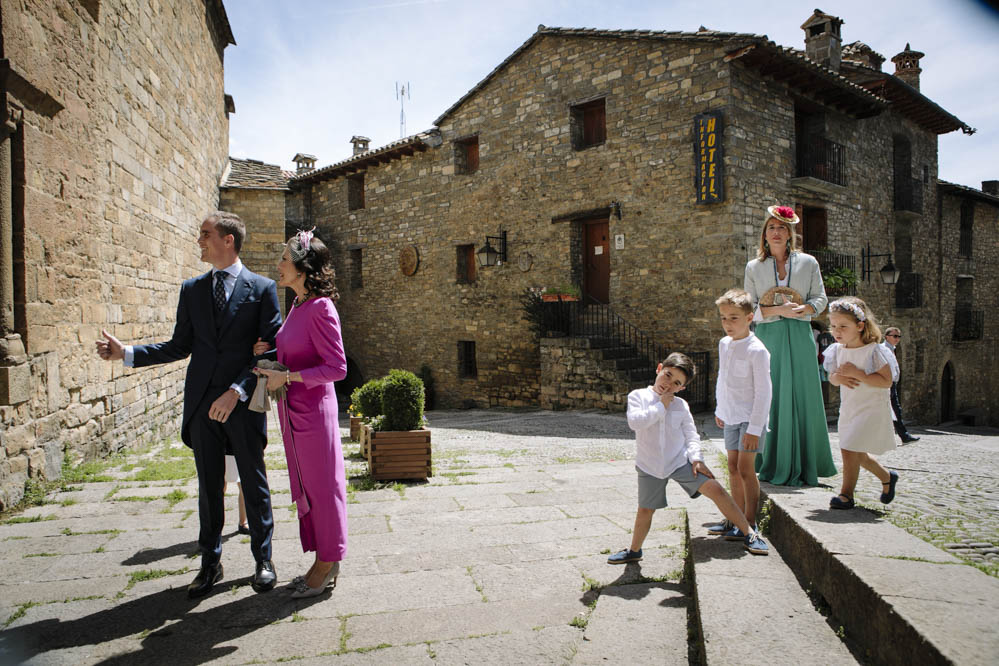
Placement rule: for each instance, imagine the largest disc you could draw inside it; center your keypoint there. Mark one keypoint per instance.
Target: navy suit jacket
(220, 345)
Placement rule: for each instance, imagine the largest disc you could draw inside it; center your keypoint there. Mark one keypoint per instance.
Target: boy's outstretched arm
(641, 416)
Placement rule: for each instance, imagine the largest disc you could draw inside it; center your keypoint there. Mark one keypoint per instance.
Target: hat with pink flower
(785, 214)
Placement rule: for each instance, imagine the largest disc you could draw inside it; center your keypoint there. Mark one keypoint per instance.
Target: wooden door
(596, 262)
(815, 229)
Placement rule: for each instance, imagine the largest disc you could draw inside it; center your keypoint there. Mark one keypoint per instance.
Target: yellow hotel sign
(710, 169)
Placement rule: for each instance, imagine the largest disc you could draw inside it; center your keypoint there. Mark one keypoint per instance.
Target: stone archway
(948, 394)
(346, 386)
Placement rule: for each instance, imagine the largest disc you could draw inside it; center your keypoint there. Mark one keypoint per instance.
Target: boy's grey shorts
(733, 437)
(652, 489)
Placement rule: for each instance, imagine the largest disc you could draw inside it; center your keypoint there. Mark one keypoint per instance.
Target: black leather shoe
(910, 438)
(205, 580)
(265, 577)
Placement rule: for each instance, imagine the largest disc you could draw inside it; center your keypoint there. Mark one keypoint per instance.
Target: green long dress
(797, 447)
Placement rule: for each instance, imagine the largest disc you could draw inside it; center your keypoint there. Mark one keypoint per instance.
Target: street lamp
(488, 255)
(889, 274)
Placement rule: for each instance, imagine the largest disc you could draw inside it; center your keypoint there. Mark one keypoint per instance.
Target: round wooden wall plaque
(409, 260)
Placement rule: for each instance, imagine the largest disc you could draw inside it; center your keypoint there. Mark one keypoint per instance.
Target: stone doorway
(948, 391)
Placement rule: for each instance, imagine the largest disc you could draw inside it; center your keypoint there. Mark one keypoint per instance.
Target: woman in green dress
(786, 286)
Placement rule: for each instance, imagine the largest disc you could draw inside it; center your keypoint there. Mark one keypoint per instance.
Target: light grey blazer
(806, 279)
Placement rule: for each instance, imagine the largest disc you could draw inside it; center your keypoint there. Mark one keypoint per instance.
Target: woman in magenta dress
(309, 345)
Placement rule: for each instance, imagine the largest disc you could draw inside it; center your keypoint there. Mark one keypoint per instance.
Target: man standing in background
(892, 337)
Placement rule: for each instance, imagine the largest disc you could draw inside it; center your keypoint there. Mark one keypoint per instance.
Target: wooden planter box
(403, 454)
(355, 427)
(364, 435)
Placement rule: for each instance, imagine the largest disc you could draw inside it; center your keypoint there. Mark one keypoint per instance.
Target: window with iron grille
(909, 291)
(355, 192)
(356, 279)
(467, 368)
(465, 264)
(588, 124)
(965, 245)
(466, 155)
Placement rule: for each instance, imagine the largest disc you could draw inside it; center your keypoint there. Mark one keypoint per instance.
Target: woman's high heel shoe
(304, 591)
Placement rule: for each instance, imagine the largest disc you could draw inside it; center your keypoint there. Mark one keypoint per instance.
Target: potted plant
(355, 416)
(398, 444)
(563, 292)
(839, 281)
(367, 401)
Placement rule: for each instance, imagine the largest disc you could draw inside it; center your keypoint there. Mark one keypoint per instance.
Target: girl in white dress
(859, 365)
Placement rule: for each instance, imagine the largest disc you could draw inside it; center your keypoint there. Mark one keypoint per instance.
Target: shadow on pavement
(535, 423)
(856, 516)
(173, 624)
(189, 549)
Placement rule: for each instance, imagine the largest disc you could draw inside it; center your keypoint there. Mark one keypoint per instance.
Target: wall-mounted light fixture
(615, 207)
(488, 255)
(889, 274)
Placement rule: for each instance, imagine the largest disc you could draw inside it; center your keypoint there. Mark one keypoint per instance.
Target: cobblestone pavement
(499, 558)
(948, 490)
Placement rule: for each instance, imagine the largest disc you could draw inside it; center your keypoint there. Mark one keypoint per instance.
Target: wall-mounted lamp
(489, 256)
(615, 207)
(889, 274)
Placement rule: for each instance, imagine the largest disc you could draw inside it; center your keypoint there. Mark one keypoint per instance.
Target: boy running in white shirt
(667, 446)
(742, 394)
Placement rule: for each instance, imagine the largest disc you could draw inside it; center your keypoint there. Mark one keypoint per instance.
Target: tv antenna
(402, 94)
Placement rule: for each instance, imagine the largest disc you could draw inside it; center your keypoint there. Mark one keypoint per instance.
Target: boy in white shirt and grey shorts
(667, 446)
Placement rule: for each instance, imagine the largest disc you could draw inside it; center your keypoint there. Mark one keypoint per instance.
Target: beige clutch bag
(780, 296)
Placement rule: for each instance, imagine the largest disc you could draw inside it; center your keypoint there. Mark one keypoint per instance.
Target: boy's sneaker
(755, 544)
(720, 528)
(735, 534)
(625, 556)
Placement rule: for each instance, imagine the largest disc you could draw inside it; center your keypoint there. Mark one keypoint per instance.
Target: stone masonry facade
(117, 134)
(853, 148)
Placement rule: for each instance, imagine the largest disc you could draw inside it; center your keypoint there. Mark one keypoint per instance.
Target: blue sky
(306, 75)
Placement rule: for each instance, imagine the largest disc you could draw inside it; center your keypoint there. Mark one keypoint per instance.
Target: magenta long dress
(309, 342)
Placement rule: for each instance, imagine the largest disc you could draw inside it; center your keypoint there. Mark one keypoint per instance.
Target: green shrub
(402, 401)
(368, 398)
(429, 395)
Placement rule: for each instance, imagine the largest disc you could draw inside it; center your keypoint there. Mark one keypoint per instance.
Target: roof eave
(809, 79)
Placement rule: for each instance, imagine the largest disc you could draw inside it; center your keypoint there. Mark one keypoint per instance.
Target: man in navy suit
(220, 315)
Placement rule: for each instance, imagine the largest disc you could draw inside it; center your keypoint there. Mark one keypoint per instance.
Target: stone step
(900, 598)
(751, 608)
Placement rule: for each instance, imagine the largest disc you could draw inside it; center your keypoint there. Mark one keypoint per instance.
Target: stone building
(115, 137)
(256, 192)
(637, 166)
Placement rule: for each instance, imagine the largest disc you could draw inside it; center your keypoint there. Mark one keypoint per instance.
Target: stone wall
(121, 136)
(575, 376)
(974, 361)
(262, 210)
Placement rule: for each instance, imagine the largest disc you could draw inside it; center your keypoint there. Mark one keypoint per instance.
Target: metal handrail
(602, 324)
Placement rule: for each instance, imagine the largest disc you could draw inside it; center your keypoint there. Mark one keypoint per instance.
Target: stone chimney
(991, 187)
(304, 162)
(823, 43)
(861, 53)
(360, 144)
(907, 66)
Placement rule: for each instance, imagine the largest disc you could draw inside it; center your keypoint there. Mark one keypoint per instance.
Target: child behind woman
(859, 365)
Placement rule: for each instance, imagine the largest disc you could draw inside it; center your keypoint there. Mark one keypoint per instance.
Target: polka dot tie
(219, 291)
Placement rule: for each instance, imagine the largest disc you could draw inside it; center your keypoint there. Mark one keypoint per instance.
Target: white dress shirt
(229, 282)
(665, 439)
(743, 390)
(892, 361)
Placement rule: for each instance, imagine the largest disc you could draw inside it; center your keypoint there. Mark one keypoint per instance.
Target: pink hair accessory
(305, 238)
